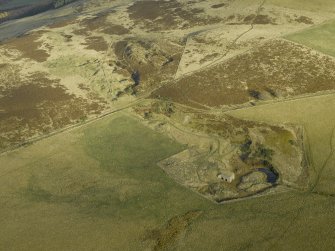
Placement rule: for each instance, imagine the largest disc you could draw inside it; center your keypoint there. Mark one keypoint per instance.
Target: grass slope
(308, 5)
(98, 188)
(98, 184)
(321, 38)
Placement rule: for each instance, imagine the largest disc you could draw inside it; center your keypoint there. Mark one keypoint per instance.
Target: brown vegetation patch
(216, 6)
(278, 68)
(39, 105)
(62, 24)
(115, 29)
(159, 15)
(165, 237)
(29, 46)
(96, 43)
(258, 19)
(251, 19)
(91, 24)
(100, 23)
(304, 19)
(67, 37)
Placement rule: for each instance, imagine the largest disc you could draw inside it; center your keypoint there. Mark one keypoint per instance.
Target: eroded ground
(257, 157)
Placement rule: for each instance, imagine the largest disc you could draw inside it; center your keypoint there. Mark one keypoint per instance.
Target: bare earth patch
(165, 236)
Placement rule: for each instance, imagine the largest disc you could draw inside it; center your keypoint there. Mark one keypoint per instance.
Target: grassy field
(99, 188)
(98, 184)
(317, 6)
(311, 38)
(289, 221)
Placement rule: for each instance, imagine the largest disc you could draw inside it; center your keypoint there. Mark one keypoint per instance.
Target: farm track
(144, 97)
(324, 165)
(220, 59)
(297, 212)
(310, 191)
(232, 44)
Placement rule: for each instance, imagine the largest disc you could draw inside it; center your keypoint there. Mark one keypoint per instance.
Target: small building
(227, 176)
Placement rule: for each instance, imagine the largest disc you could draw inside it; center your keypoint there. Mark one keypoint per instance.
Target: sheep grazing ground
(167, 125)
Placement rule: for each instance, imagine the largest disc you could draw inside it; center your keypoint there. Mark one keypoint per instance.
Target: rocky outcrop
(254, 182)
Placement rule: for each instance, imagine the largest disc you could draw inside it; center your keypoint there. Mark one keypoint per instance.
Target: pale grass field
(98, 188)
(311, 38)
